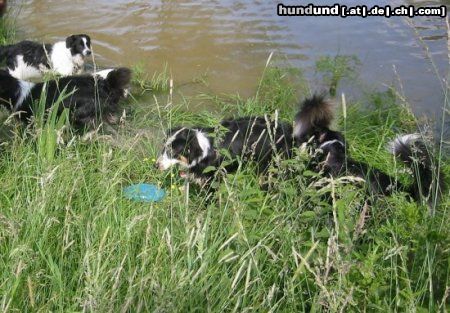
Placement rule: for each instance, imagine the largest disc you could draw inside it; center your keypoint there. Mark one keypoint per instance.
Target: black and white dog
(312, 124)
(28, 59)
(90, 98)
(195, 149)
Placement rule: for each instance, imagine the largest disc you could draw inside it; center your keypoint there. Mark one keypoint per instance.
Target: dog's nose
(89, 52)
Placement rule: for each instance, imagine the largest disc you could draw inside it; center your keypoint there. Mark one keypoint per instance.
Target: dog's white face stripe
(330, 142)
(204, 144)
(86, 49)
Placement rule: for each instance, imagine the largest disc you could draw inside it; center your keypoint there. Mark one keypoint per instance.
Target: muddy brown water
(229, 41)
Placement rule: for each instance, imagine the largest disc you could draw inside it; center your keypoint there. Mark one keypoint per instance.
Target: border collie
(195, 149)
(312, 124)
(28, 59)
(89, 98)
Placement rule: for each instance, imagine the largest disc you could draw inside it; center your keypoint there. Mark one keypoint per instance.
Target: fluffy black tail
(315, 114)
(119, 79)
(428, 181)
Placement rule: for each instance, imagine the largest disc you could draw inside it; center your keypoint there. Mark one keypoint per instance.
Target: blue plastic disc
(144, 193)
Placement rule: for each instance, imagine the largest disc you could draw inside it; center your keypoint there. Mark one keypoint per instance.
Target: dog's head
(184, 146)
(331, 149)
(117, 78)
(79, 44)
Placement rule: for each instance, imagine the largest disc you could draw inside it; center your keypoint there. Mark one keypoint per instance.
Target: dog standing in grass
(29, 60)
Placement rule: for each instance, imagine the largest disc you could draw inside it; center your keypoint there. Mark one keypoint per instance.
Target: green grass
(333, 70)
(70, 241)
(7, 32)
(159, 82)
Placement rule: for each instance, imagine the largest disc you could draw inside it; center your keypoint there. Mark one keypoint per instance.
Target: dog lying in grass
(201, 151)
(255, 139)
(312, 124)
(90, 99)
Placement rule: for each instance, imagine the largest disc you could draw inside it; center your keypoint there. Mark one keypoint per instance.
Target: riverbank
(70, 241)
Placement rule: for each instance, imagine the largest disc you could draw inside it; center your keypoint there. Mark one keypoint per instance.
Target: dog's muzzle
(163, 163)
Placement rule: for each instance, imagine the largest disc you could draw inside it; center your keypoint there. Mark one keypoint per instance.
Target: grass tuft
(158, 82)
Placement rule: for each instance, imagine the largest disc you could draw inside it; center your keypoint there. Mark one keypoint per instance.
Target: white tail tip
(401, 140)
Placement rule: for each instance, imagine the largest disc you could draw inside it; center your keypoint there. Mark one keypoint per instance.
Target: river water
(229, 41)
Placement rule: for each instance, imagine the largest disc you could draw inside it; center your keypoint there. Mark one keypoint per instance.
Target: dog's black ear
(70, 41)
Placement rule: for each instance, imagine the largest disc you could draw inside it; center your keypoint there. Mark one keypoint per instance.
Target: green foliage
(278, 90)
(50, 125)
(337, 68)
(158, 82)
(7, 32)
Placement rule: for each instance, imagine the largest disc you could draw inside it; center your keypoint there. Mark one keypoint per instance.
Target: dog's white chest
(62, 61)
